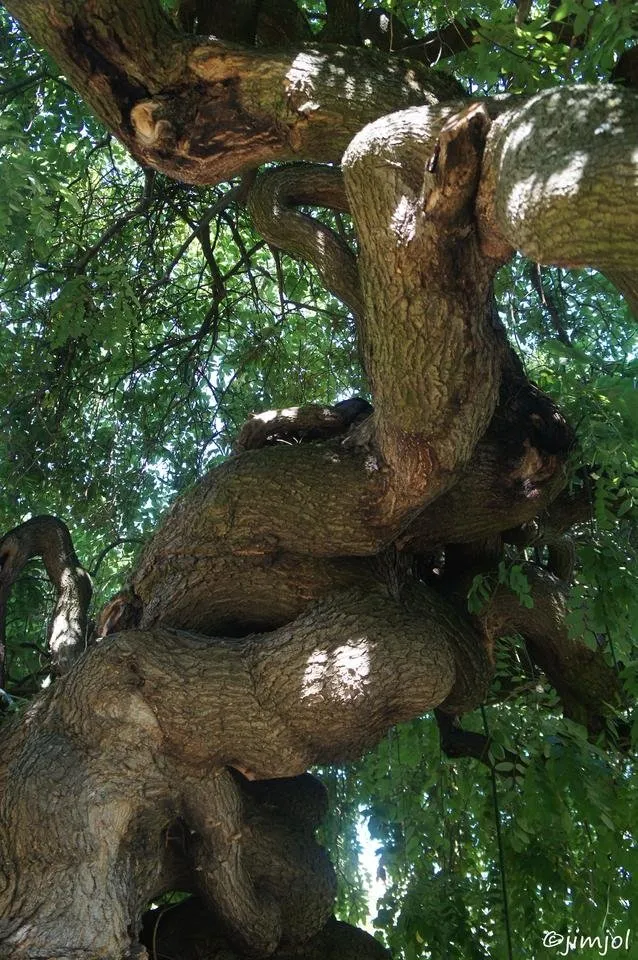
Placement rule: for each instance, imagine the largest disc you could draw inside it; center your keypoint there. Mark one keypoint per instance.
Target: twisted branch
(589, 688)
(49, 538)
(272, 204)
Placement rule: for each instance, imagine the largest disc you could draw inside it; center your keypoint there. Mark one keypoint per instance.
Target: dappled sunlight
(403, 223)
(340, 672)
(413, 574)
(561, 175)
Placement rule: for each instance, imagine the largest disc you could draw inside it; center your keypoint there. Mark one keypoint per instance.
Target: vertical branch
(49, 538)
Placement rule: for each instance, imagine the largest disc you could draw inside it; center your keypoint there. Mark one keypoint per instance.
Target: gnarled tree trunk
(310, 574)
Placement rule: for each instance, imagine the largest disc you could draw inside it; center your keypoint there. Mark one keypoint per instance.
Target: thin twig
(111, 546)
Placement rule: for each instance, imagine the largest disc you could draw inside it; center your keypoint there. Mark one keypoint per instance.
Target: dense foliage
(144, 319)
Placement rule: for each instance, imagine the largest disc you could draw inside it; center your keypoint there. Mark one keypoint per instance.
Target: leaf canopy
(144, 319)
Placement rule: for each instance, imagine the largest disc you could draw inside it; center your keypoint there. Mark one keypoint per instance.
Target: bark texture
(325, 581)
(116, 739)
(49, 538)
(560, 181)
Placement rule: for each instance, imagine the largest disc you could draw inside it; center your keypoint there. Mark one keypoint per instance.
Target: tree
(311, 590)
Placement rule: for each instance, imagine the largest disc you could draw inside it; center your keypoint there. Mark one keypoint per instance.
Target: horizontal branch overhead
(560, 178)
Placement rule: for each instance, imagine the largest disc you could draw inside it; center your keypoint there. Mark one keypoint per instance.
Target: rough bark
(115, 739)
(49, 538)
(276, 528)
(560, 178)
(202, 109)
(140, 766)
(412, 198)
(411, 182)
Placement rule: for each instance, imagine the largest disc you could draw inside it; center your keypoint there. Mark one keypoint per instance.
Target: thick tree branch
(202, 111)
(301, 424)
(285, 540)
(49, 538)
(257, 538)
(319, 690)
(273, 529)
(431, 351)
(560, 178)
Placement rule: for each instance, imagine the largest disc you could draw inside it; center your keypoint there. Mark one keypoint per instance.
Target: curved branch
(204, 110)
(272, 202)
(559, 178)
(301, 424)
(588, 687)
(49, 538)
(319, 690)
(273, 529)
(431, 349)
